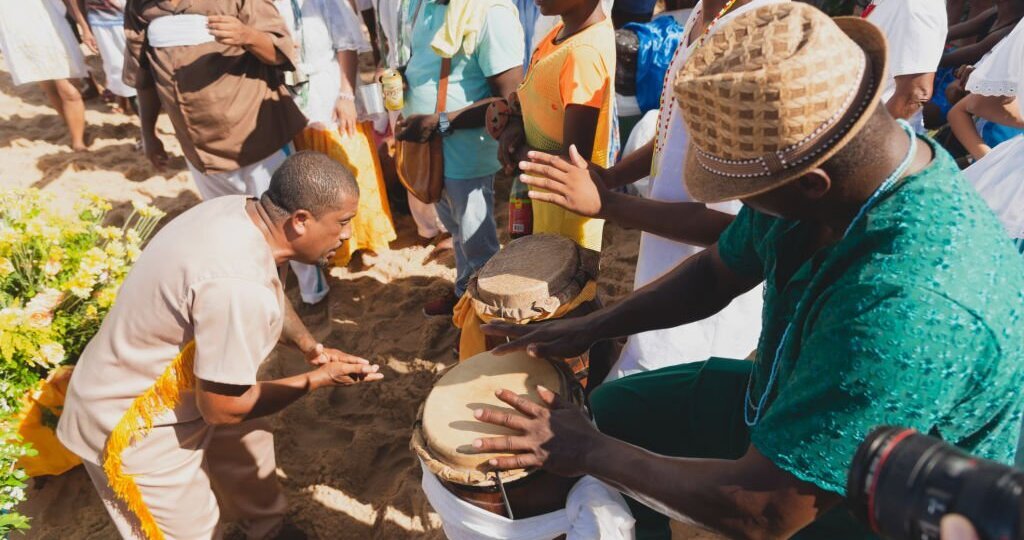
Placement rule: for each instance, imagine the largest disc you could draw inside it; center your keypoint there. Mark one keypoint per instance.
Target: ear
(299, 220)
(815, 184)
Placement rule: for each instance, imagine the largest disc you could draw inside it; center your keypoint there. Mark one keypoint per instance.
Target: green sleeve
(874, 355)
(739, 241)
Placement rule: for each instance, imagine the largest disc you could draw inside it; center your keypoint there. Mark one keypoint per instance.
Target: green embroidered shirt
(913, 319)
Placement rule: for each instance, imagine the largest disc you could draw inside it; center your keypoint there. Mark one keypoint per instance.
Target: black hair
(863, 149)
(309, 181)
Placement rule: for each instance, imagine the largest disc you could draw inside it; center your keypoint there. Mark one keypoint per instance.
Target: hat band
(817, 142)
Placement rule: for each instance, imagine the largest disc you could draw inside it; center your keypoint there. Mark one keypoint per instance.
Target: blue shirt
(468, 153)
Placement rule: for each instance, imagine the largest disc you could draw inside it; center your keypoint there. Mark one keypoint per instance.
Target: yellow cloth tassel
(136, 423)
(473, 341)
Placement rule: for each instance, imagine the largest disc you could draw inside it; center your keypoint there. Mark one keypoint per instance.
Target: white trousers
(111, 42)
(253, 180)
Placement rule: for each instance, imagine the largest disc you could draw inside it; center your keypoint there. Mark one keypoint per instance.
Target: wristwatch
(444, 127)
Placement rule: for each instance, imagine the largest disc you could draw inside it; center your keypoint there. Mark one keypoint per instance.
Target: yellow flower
(146, 210)
(81, 285)
(91, 311)
(106, 297)
(133, 253)
(6, 267)
(109, 233)
(115, 250)
(11, 317)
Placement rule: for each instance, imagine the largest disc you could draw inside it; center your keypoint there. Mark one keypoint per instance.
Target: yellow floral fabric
(373, 228)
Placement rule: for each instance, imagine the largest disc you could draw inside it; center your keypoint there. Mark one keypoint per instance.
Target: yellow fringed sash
(466, 318)
(136, 423)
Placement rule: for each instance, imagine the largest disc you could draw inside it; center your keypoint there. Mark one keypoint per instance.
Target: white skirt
(999, 178)
(37, 42)
(111, 42)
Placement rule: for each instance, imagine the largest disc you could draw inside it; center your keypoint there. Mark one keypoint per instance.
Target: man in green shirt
(892, 296)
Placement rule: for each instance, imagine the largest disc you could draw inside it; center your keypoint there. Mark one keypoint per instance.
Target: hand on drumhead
(565, 338)
(553, 434)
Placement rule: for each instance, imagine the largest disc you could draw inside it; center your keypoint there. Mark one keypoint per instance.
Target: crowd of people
(832, 220)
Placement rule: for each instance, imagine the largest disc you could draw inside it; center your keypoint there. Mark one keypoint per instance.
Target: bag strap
(442, 86)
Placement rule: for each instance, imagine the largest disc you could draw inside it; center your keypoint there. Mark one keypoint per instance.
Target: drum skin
(446, 429)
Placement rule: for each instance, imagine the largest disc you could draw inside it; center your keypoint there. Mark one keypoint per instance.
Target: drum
(445, 430)
(534, 279)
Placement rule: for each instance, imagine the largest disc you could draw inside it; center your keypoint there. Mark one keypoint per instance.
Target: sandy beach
(343, 455)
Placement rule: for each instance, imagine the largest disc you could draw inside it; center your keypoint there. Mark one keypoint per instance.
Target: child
(567, 99)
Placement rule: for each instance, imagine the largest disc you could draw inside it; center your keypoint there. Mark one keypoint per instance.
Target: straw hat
(774, 94)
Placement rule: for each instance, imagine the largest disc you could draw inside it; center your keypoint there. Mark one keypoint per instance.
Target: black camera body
(902, 483)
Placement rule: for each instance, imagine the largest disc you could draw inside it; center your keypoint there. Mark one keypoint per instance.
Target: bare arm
(229, 30)
(222, 404)
(687, 222)
(345, 106)
(294, 332)
(631, 168)
(749, 498)
(999, 109)
(696, 289)
(581, 188)
(77, 13)
(973, 53)
(912, 92)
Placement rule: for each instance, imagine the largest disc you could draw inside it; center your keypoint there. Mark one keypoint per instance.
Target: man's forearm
(294, 332)
(687, 222)
(149, 109)
(696, 289)
(729, 497)
(261, 45)
(348, 61)
(633, 167)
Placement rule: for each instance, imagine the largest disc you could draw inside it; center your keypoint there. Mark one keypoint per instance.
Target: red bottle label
(520, 217)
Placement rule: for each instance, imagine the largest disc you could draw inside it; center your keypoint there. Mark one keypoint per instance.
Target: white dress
(37, 42)
(734, 331)
(324, 28)
(999, 176)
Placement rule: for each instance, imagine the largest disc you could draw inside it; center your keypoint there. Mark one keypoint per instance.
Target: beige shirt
(209, 276)
(228, 108)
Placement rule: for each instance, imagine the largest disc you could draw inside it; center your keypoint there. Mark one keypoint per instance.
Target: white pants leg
(428, 225)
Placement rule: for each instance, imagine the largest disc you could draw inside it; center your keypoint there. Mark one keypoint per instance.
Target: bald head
(309, 181)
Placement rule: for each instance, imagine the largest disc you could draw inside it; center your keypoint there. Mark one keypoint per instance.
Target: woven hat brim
(708, 187)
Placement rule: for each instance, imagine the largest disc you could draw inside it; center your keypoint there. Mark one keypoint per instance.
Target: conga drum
(446, 428)
(534, 279)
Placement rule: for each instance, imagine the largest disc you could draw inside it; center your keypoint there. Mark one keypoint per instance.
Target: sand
(343, 455)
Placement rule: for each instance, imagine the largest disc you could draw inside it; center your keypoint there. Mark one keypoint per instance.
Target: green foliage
(59, 276)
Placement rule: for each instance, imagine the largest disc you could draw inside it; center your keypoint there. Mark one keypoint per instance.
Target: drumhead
(531, 275)
(448, 428)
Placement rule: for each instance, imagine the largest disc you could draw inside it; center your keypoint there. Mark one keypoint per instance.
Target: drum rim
(473, 477)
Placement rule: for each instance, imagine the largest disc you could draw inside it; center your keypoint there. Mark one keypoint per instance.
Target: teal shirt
(914, 319)
(468, 153)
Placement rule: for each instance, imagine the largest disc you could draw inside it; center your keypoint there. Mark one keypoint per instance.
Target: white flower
(52, 353)
(52, 267)
(39, 311)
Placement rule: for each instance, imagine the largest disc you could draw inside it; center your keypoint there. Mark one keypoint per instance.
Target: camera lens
(901, 483)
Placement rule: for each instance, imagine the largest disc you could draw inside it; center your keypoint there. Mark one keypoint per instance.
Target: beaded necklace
(664, 123)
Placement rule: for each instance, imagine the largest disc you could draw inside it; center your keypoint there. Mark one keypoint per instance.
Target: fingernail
(492, 462)
(523, 164)
(477, 443)
(497, 393)
(478, 413)
(542, 387)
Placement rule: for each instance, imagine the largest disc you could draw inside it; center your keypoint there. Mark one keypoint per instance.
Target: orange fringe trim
(136, 423)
